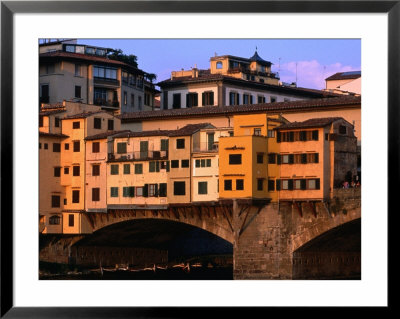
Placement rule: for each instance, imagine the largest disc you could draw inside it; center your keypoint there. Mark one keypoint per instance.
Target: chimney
(195, 72)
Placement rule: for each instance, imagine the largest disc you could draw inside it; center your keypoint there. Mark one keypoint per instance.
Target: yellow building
(73, 163)
(137, 169)
(205, 163)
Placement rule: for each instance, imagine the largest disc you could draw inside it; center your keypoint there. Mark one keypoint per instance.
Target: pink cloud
(311, 74)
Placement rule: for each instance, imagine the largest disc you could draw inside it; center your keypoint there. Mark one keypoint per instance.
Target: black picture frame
(9, 8)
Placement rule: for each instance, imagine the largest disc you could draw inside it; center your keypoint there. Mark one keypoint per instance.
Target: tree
(119, 56)
(150, 77)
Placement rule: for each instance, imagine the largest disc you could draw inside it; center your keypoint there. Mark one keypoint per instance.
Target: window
(246, 98)
(164, 145)
(44, 93)
(203, 162)
(95, 194)
(153, 190)
(228, 184)
(75, 196)
(45, 146)
(121, 148)
(271, 133)
(260, 99)
(342, 129)
(312, 157)
(114, 191)
(76, 171)
(297, 184)
(57, 171)
(185, 163)
(104, 73)
(286, 159)
(124, 77)
(239, 184)
(273, 99)
(174, 163)
(128, 191)
(78, 91)
(210, 141)
(40, 121)
(163, 190)
(70, 220)
(77, 70)
(76, 125)
(138, 168)
(219, 65)
(257, 131)
(313, 183)
(260, 158)
(261, 80)
(271, 185)
(285, 184)
(77, 146)
(154, 167)
(233, 98)
(110, 125)
(202, 188)
(176, 101)
(139, 191)
(132, 80)
(125, 98)
(208, 98)
(54, 220)
(260, 184)
(165, 100)
(66, 170)
(180, 143)
(132, 100)
(235, 159)
(96, 147)
(66, 146)
(114, 169)
(315, 135)
(271, 158)
(55, 201)
(191, 99)
(97, 123)
(95, 170)
(179, 188)
(56, 147)
(127, 169)
(57, 122)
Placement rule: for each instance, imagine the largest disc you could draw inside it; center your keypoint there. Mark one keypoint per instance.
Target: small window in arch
(219, 65)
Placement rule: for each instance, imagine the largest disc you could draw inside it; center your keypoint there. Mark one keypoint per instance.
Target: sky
(309, 61)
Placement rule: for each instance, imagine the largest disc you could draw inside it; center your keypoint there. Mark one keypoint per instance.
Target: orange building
(315, 156)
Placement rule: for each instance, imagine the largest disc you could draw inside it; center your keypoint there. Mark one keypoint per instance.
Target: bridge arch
(217, 222)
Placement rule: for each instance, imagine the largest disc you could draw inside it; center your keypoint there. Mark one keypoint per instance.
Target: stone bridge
(270, 240)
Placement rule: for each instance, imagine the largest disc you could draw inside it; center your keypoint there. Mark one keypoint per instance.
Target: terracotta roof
(83, 115)
(240, 109)
(315, 122)
(344, 76)
(51, 112)
(190, 129)
(245, 83)
(44, 134)
(104, 135)
(86, 57)
(144, 133)
(53, 106)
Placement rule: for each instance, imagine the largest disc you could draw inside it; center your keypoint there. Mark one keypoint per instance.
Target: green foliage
(150, 77)
(118, 55)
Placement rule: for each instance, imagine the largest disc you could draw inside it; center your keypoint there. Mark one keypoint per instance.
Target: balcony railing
(205, 147)
(106, 81)
(109, 103)
(138, 156)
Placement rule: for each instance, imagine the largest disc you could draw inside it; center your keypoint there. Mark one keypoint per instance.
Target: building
(344, 83)
(84, 73)
(230, 81)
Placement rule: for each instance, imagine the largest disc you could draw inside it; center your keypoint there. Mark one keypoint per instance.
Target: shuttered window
(179, 188)
(95, 194)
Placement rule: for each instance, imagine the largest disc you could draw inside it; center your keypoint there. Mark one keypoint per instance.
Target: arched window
(54, 220)
(219, 65)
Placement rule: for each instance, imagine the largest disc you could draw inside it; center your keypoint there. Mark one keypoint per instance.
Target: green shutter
(132, 191)
(291, 158)
(278, 137)
(156, 191)
(197, 163)
(303, 184)
(290, 184)
(163, 190)
(315, 135)
(278, 184)
(316, 157)
(278, 157)
(146, 190)
(291, 136)
(167, 166)
(152, 166)
(304, 158)
(317, 184)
